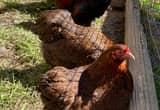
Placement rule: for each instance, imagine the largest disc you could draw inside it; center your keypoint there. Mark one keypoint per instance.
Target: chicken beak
(131, 55)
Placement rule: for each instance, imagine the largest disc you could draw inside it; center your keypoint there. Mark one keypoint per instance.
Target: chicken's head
(51, 23)
(55, 16)
(121, 52)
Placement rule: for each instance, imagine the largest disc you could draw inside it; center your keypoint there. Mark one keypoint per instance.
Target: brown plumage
(105, 84)
(84, 11)
(110, 71)
(65, 43)
(59, 86)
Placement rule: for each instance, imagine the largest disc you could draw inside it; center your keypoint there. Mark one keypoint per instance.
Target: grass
(150, 7)
(21, 60)
(13, 94)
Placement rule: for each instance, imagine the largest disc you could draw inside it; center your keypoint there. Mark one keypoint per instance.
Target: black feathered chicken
(84, 11)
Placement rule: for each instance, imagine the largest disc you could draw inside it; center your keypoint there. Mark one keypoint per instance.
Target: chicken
(109, 70)
(64, 4)
(58, 87)
(65, 43)
(84, 11)
(106, 84)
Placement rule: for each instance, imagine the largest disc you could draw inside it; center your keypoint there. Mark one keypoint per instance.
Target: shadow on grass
(28, 77)
(29, 8)
(29, 26)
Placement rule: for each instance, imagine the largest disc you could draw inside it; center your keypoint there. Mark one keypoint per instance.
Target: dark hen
(65, 43)
(105, 84)
(84, 11)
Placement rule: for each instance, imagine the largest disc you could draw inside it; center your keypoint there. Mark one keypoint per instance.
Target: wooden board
(144, 96)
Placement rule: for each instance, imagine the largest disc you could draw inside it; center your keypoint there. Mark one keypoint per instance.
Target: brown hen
(59, 86)
(111, 73)
(65, 43)
(105, 84)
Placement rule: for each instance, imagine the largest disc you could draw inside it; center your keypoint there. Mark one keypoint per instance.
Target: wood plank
(144, 96)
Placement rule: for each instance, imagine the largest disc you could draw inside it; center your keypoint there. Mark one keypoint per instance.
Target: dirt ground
(153, 38)
(113, 20)
(113, 25)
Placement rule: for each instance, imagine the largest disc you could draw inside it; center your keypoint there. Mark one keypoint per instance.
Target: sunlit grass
(20, 70)
(150, 7)
(14, 96)
(155, 5)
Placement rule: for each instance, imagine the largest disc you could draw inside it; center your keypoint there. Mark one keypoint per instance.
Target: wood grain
(144, 96)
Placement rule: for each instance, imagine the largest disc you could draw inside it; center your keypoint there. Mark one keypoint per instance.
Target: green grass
(150, 4)
(25, 44)
(153, 9)
(21, 67)
(13, 94)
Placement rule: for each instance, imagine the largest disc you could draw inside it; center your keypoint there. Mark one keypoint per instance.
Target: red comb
(126, 50)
